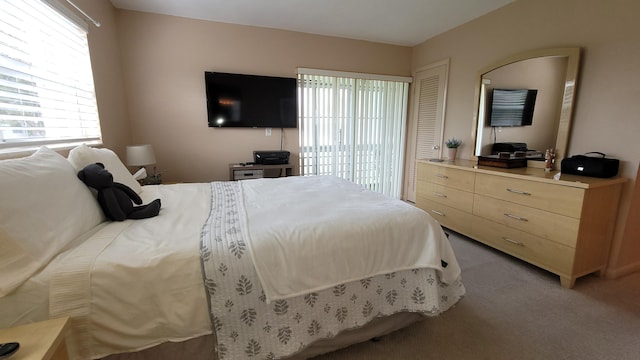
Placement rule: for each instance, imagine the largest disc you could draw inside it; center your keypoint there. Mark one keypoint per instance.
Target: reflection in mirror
(552, 73)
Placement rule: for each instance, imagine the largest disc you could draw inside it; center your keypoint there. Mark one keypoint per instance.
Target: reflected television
(511, 107)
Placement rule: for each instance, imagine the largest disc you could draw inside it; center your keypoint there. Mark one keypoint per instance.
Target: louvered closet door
(429, 93)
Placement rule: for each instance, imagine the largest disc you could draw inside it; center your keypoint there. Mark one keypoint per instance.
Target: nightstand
(44, 340)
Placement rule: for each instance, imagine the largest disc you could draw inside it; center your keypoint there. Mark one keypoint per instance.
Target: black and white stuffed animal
(115, 198)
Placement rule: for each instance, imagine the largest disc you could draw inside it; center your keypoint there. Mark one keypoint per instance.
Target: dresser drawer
(446, 195)
(447, 216)
(455, 178)
(558, 199)
(555, 227)
(550, 255)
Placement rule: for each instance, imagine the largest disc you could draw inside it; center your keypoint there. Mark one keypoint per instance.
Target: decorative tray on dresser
(561, 223)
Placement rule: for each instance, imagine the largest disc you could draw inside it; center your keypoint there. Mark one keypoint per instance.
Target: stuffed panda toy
(114, 198)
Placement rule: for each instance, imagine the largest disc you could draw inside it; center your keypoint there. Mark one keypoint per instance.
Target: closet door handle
(520, 192)
(439, 195)
(512, 241)
(442, 176)
(516, 217)
(438, 212)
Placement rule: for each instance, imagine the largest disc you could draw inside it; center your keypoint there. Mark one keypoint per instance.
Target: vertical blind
(353, 128)
(46, 84)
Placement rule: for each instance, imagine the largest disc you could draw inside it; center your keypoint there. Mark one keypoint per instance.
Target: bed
(227, 270)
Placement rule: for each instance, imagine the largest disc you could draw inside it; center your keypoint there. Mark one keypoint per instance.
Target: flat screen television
(250, 101)
(512, 107)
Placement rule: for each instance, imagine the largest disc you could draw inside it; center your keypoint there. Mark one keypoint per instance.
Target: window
(353, 126)
(46, 83)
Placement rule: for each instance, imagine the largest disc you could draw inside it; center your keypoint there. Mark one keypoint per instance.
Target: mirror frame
(568, 99)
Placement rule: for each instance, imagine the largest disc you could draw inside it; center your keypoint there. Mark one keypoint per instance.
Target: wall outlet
(267, 132)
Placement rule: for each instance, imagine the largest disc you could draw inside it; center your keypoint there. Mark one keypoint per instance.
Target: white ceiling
(399, 22)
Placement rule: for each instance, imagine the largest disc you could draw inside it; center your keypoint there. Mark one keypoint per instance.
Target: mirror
(553, 73)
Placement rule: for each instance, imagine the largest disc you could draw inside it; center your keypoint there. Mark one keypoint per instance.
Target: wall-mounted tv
(511, 107)
(251, 101)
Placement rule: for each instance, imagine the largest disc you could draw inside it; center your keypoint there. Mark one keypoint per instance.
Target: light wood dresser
(563, 225)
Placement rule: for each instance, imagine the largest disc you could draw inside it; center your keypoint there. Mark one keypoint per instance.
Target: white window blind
(353, 128)
(46, 84)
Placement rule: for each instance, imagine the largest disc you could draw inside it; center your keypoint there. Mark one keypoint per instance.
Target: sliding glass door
(353, 127)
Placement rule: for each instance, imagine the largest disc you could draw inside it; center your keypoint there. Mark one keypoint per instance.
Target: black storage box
(509, 147)
(504, 162)
(594, 166)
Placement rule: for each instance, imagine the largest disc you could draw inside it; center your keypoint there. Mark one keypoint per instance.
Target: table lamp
(142, 156)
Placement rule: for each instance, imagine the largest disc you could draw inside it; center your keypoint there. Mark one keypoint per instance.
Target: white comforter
(345, 234)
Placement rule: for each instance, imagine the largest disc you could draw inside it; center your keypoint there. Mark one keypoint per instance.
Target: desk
(256, 171)
(44, 340)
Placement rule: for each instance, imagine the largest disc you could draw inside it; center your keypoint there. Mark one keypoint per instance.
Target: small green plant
(453, 143)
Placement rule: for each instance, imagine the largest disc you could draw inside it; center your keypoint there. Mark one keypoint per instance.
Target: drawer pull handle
(438, 212)
(512, 241)
(516, 217)
(442, 176)
(520, 192)
(439, 194)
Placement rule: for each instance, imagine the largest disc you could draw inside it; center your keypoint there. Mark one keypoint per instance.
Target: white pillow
(16, 264)
(44, 207)
(83, 155)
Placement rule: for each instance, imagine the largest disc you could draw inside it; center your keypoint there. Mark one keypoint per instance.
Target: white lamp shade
(140, 155)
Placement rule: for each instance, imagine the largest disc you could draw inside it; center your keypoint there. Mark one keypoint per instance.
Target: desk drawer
(557, 199)
(550, 255)
(455, 178)
(555, 227)
(247, 174)
(445, 195)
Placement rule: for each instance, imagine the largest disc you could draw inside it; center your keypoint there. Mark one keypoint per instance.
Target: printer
(274, 157)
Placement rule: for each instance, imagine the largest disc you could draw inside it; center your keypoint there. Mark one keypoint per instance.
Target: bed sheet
(146, 284)
(30, 302)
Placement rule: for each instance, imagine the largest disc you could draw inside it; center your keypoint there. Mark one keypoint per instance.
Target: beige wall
(606, 116)
(107, 73)
(164, 59)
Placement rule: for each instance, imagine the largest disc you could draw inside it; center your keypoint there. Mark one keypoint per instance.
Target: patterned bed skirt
(247, 327)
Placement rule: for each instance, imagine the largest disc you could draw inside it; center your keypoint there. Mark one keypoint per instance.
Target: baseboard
(620, 272)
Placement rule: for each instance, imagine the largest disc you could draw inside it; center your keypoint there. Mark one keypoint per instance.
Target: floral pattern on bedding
(247, 327)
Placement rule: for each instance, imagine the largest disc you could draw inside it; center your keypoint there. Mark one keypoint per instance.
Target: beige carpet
(513, 310)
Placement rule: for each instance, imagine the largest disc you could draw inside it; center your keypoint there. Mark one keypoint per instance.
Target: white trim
(354, 75)
(37, 143)
(446, 62)
(18, 152)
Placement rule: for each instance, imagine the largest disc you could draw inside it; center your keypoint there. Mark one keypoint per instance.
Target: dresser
(563, 224)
